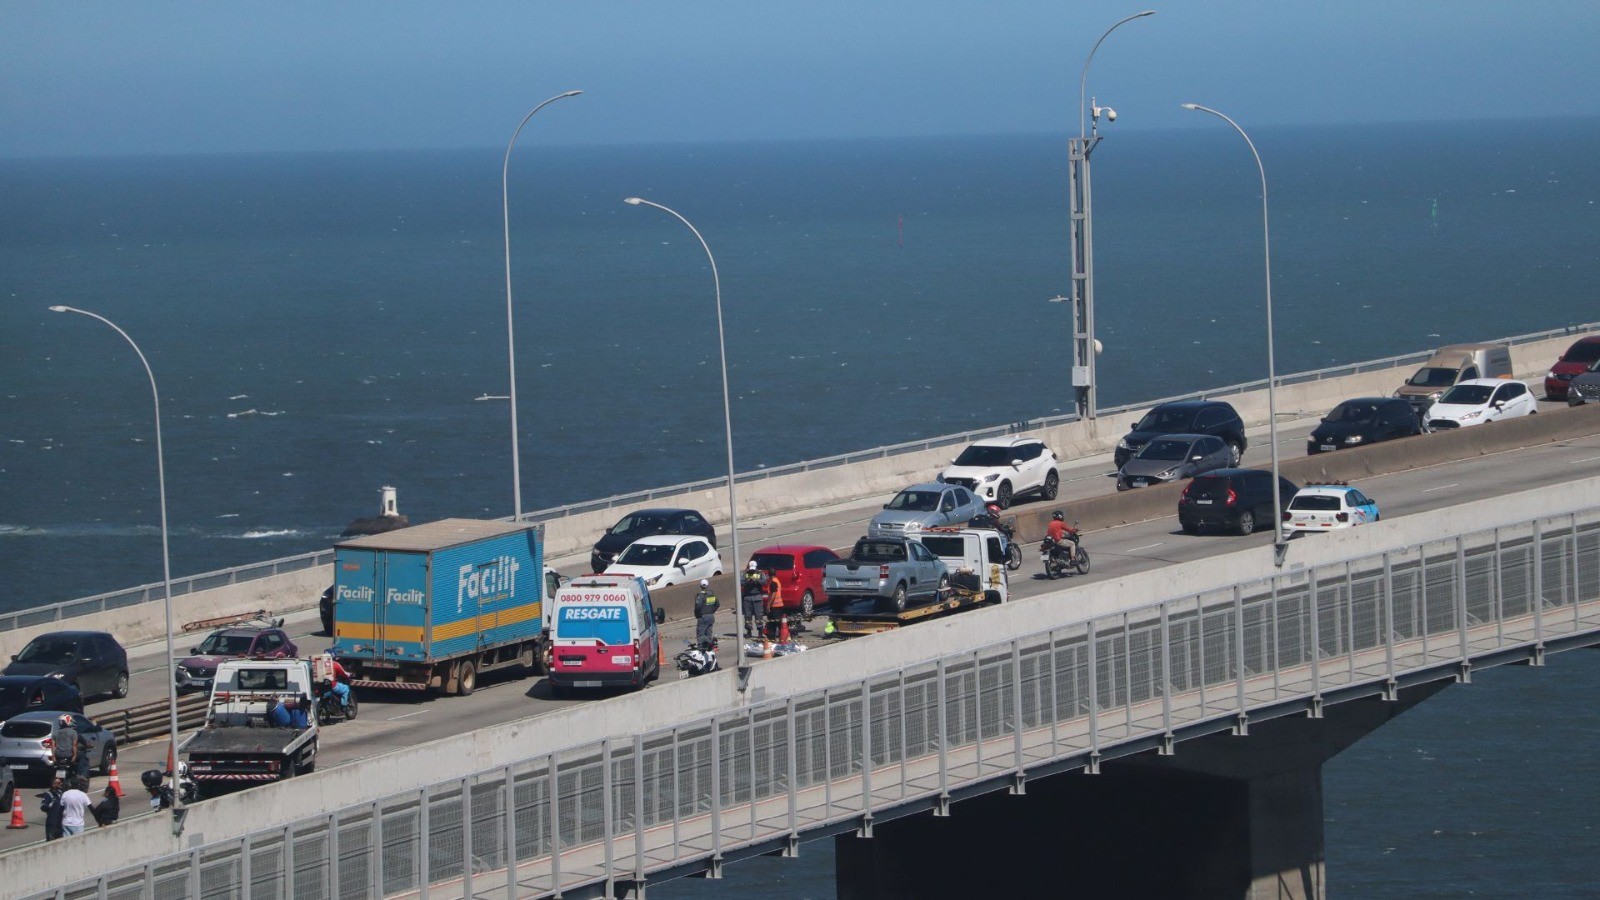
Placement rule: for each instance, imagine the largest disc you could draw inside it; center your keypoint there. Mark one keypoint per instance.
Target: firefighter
(752, 595)
(705, 614)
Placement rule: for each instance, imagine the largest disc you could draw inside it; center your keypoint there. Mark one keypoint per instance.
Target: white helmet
(752, 565)
(704, 583)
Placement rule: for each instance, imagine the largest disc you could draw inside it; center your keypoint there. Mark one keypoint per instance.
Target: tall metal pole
(511, 331)
(1279, 547)
(1082, 242)
(166, 558)
(727, 430)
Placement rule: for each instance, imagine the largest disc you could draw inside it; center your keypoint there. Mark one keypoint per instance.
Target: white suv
(998, 469)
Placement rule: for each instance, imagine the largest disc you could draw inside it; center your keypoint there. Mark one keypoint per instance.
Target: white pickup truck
(241, 743)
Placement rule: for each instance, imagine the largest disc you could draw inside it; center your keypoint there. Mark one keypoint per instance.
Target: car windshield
(1314, 503)
(1468, 394)
(25, 728)
(773, 562)
(225, 645)
(48, 649)
(1432, 376)
(1352, 413)
(634, 523)
(1168, 420)
(1586, 352)
(13, 694)
(646, 555)
(986, 457)
(1164, 450)
(915, 501)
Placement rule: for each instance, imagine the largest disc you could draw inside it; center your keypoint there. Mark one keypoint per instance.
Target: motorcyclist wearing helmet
(1059, 530)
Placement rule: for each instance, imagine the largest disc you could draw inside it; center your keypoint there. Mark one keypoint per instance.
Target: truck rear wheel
(466, 678)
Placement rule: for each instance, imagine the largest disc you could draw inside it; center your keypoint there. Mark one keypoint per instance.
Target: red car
(799, 568)
(1576, 361)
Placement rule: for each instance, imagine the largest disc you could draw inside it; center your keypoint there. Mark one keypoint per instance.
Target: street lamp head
(1148, 12)
(568, 94)
(60, 309)
(1190, 105)
(632, 201)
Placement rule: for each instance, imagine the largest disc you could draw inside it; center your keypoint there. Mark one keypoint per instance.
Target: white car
(665, 559)
(1479, 400)
(998, 469)
(1328, 507)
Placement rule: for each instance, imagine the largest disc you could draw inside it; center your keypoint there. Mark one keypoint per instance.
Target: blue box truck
(433, 606)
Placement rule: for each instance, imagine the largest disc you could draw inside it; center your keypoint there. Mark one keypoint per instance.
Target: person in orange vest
(774, 602)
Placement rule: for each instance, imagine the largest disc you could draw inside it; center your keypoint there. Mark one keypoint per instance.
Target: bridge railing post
(1016, 706)
(1127, 674)
(1350, 617)
(1238, 652)
(1314, 608)
(944, 732)
(1577, 620)
(1388, 625)
(1094, 700)
(1200, 649)
(553, 796)
(1461, 598)
(866, 749)
(1166, 675)
(1538, 583)
(1277, 644)
(794, 768)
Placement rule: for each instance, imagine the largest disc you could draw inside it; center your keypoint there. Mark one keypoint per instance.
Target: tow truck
(976, 558)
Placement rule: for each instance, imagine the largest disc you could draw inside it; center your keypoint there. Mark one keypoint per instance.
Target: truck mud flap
(388, 685)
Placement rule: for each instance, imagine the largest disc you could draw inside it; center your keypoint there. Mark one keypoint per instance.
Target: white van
(603, 634)
(976, 558)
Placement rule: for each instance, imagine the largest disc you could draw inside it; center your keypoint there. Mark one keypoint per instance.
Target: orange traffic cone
(783, 630)
(766, 649)
(16, 810)
(114, 782)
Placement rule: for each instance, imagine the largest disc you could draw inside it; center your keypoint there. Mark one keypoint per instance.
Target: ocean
(320, 325)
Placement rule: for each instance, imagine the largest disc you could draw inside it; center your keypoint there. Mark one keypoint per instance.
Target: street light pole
(511, 331)
(727, 429)
(166, 562)
(1082, 224)
(1279, 547)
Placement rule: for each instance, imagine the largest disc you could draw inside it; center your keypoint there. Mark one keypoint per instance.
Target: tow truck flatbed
(848, 623)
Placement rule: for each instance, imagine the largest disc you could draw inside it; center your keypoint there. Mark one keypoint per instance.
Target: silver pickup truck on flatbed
(891, 570)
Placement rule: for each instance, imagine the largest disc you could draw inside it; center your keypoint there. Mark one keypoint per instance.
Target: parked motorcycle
(699, 659)
(1067, 556)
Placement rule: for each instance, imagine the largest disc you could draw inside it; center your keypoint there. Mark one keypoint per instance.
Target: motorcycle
(159, 786)
(699, 659)
(329, 709)
(990, 518)
(1069, 555)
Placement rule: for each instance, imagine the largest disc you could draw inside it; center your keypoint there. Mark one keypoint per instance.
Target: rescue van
(603, 634)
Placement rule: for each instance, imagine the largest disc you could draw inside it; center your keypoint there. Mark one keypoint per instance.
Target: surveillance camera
(1111, 114)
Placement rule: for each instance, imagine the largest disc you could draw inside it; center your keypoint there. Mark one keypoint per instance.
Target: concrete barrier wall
(45, 866)
(871, 478)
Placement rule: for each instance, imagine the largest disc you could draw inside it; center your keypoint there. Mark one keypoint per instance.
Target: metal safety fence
(594, 820)
(188, 584)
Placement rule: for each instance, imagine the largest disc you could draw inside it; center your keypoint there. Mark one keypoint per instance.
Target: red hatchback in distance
(799, 568)
(1576, 361)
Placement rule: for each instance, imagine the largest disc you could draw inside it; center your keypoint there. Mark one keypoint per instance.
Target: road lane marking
(1439, 488)
(406, 715)
(1146, 547)
(1590, 459)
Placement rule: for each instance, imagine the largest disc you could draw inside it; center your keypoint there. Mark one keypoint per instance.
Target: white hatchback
(1479, 400)
(665, 559)
(998, 469)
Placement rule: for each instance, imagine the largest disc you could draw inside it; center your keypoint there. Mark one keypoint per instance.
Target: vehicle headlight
(1168, 473)
(1124, 445)
(654, 578)
(1550, 374)
(1436, 395)
(1352, 439)
(913, 526)
(991, 477)
(1472, 415)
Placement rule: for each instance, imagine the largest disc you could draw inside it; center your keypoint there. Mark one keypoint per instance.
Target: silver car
(924, 506)
(1172, 457)
(27, 741)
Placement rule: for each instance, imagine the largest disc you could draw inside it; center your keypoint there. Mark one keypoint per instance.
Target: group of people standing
(66, 807)
(760, 593)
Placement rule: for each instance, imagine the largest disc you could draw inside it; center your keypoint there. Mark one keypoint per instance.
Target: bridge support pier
(1238, 818)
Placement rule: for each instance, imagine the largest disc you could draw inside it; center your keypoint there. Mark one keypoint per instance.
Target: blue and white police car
(1328, 506)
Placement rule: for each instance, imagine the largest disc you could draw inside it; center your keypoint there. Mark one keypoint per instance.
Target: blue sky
(174, 77)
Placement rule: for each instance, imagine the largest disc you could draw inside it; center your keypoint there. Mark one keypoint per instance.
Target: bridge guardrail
(187, 584)
(754, 779)
(148, 721)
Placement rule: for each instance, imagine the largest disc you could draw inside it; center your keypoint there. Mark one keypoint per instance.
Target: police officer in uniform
(705, 614)
(752, 594)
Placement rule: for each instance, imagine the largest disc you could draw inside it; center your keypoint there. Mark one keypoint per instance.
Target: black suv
(91, 661)
(644, 523)
(1362, 421)
(1186, 417)
(21, 693)
(1238, 500)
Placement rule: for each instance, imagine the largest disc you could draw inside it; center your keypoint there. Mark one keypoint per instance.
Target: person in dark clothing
(50, 805)
(705, 614)
(69, 749)
(753, 596)
(109, 809)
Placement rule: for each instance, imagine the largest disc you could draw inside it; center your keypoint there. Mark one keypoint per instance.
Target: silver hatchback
(27, 744)
(1172, 457)
(923, 506)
